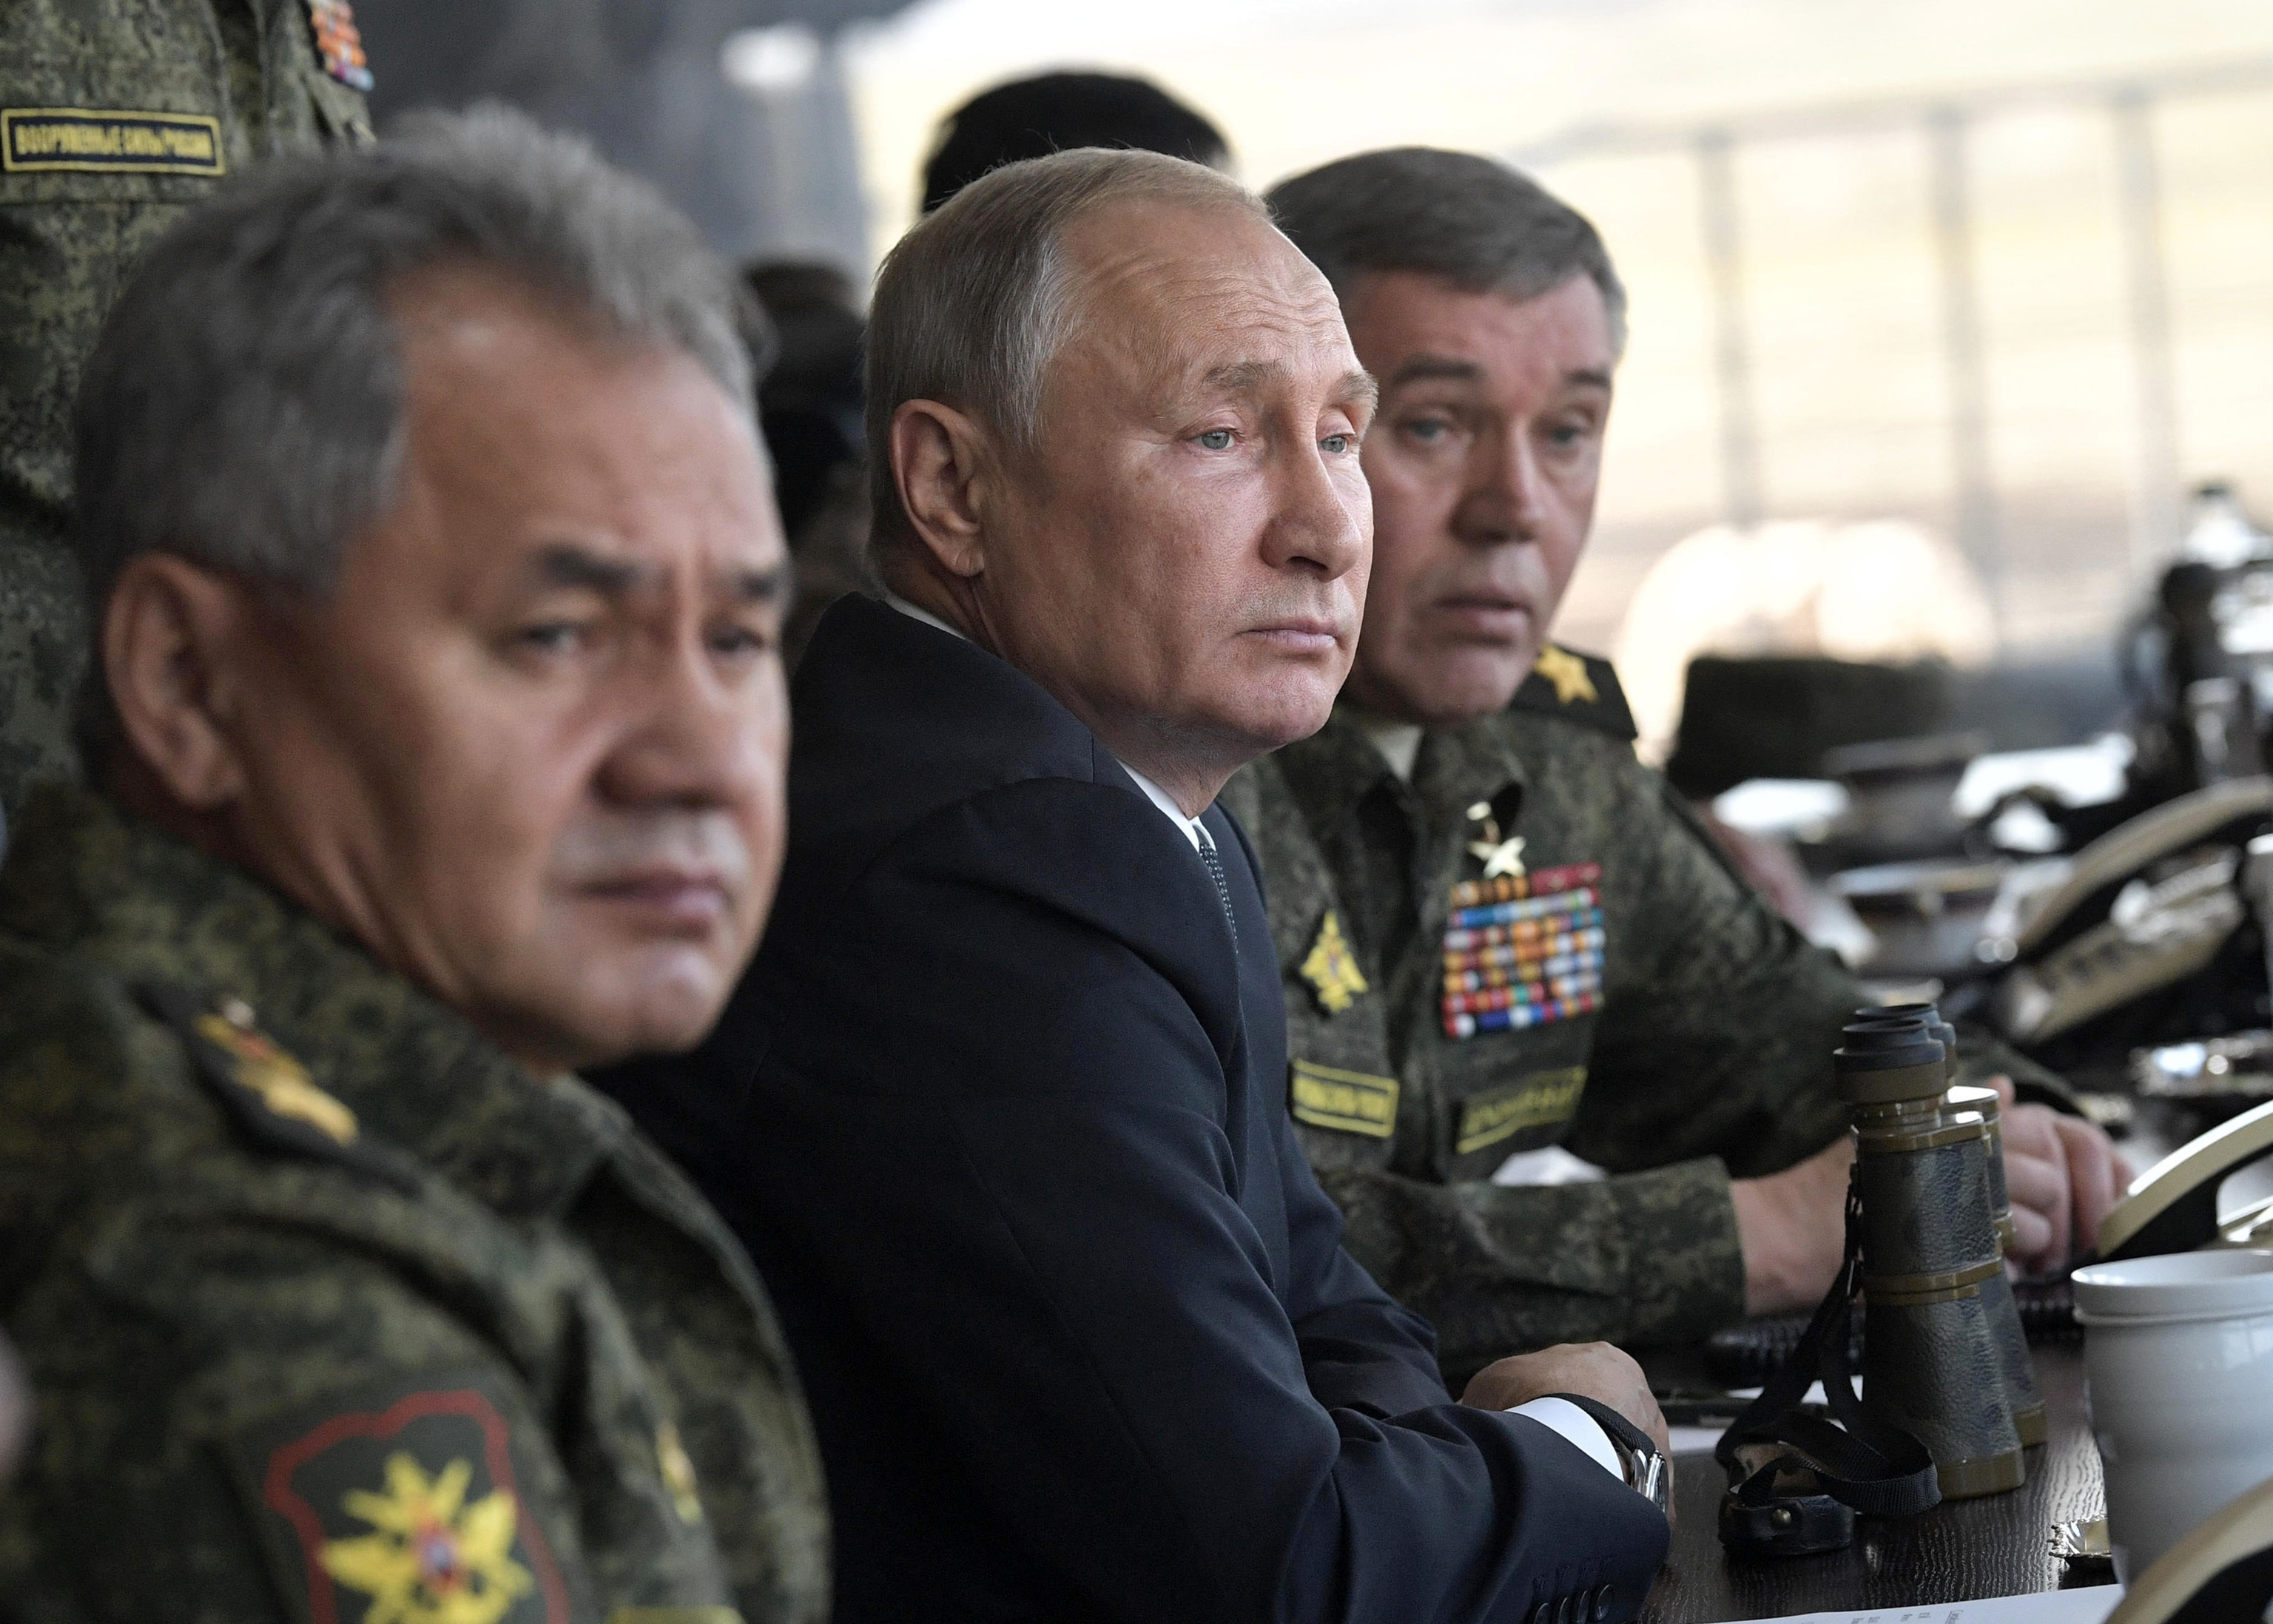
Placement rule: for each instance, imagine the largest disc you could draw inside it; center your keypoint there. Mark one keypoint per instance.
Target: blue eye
(1217, 439)
(1335, 445)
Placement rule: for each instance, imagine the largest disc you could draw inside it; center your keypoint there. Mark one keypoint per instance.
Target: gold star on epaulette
(1568, 672)
(1332, 969)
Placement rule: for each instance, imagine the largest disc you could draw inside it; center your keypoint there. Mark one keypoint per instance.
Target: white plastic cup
(2178, 1354)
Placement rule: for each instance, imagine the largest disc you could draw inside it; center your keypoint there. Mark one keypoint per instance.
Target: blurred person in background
(1656, 1018)
(997, 1108)
(116, 116)
(436, 751)
(809, 407)
(809, 389)
(1048, 113)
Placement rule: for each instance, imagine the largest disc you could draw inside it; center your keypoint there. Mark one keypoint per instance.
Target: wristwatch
(1647, 1472)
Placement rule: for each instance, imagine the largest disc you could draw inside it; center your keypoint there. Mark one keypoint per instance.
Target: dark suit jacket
(1000, 1111)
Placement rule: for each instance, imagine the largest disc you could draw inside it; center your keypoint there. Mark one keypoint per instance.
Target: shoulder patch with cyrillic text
(1541, 1100)
(1342, 1102)
(87, 140)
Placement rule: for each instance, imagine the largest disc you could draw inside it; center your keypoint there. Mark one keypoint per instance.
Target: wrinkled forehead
(1174, 292)
(529, 426)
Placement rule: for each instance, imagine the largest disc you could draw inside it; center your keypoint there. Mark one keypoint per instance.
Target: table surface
(1959, 1551)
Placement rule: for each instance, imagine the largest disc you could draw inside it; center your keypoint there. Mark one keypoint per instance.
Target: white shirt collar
(924, 614)
(1398, 742)
(1194, 831)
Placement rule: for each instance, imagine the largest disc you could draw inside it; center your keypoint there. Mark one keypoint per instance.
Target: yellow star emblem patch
(1332, 969)
(430, 1559)
(1568, 672)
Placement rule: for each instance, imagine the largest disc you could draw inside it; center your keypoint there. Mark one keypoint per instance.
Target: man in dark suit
(1001, 1108)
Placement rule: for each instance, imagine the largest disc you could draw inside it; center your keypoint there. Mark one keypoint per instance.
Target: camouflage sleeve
(1643, 1258)
(238, 1418)
(1717, 1034)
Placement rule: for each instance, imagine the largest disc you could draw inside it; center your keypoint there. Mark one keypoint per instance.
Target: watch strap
(1648, 1472)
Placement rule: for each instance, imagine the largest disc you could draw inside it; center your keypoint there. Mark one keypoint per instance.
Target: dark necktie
(1222, 887)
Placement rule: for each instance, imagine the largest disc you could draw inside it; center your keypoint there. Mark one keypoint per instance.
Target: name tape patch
(1538, 1100)
(1344, 1102)
(83, 141)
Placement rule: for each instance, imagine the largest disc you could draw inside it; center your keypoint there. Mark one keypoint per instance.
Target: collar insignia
(1499, 856)
(260, 1067)
(1568, 672)
(678, 1469)
(1332, 969)
(266, 1092)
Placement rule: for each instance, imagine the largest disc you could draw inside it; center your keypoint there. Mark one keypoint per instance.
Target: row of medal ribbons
(1523, 949)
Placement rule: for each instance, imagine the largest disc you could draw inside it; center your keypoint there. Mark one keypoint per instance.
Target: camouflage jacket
(115, 116)
(1670, 1027)
(331, 1310)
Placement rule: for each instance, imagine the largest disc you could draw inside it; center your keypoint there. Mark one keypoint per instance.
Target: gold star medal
(1568, 672)
(1499, 856)
(1332, 967)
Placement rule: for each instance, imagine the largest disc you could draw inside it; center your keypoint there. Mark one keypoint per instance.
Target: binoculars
(1944, 1355)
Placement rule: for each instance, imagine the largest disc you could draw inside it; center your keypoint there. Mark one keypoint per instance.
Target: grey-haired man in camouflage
(436, 751)
(1499, 932)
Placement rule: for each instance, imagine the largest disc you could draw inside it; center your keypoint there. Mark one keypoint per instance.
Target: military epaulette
(1577, 688)
(267, 1094)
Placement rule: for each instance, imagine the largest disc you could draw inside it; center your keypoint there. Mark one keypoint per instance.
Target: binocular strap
(1854, 1462)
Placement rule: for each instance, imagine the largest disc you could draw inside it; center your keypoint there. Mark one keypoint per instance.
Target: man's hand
(1792, 1226)
(1593, 1370)
(2063, 1175)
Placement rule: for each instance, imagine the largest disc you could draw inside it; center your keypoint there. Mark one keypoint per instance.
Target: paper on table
(2084, 1606)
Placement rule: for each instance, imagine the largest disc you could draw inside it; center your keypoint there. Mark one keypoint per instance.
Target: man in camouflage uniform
(1499, 932)
(439, 732)
(115, 116)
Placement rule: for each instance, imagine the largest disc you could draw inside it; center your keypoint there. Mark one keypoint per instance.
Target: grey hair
(243, 407)
(974, 301)
(1477, 223)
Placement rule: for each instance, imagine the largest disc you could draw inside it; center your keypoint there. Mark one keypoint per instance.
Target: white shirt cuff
(1562, 1416)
